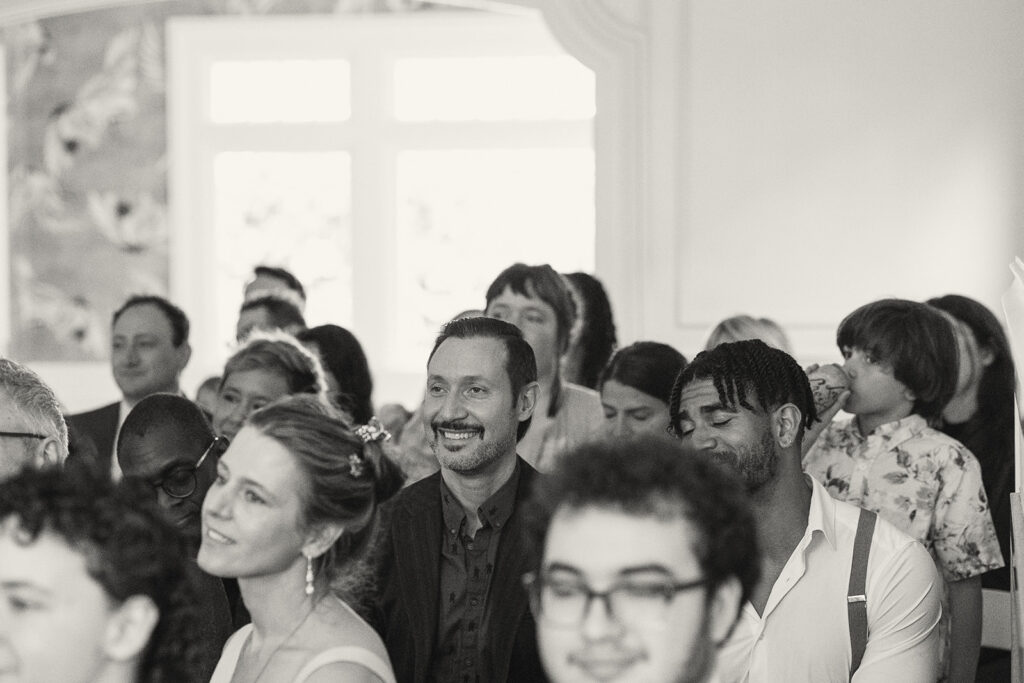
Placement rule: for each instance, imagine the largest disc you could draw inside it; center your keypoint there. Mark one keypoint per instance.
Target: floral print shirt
(917, 478)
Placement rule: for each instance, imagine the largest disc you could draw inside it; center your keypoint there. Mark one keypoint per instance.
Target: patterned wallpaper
(87, 164)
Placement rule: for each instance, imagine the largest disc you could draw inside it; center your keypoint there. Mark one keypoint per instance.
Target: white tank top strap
(230, 654)
(348, 654)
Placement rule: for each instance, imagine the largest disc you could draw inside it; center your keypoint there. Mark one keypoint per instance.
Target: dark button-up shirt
(467, 564)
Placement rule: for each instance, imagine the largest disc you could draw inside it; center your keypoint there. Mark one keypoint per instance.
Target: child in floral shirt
(901, 357)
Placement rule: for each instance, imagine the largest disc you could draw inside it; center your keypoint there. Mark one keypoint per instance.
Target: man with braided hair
(843, 596)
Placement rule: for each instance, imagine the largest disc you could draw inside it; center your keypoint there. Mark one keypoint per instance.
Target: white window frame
(371, 136)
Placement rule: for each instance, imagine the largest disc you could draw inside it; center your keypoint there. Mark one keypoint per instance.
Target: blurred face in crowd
(655, 623)
(166, 459)
(57, 623)
(143, 355)
(252, 514)
(243, 392)
(538, 322)
(469, 411)
(630, 412)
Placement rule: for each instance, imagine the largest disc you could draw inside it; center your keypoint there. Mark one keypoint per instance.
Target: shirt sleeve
(963, 537)
(903, 614)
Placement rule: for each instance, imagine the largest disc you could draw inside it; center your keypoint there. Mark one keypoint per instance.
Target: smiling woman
(292, 515)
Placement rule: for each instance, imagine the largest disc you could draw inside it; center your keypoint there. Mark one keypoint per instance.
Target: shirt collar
(821, 516)
(493, 513)
(896, 432)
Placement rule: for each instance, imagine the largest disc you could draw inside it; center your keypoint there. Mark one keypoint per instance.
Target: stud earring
(309, 575)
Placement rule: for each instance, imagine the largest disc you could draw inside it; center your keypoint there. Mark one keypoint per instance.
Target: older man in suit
(453, 605)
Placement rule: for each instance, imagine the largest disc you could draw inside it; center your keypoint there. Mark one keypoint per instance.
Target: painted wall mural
(87, 220)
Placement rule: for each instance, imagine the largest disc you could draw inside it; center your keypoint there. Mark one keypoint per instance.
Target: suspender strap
(856, 600)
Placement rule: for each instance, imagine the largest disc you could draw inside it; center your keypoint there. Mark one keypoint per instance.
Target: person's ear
(909, 394)
(986, 356)
(527, 400)
(184, 354)
(787, 425)
(321, 538)
(724, 610)
(50, 453)
(129, 628)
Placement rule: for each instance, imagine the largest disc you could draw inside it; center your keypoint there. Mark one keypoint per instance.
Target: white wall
(832, 153)
(798, 158)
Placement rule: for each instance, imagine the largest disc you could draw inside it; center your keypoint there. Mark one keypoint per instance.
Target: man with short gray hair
(32, 428)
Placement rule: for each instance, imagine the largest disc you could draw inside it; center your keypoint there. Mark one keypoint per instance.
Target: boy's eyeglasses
(24, 435)
(182, 482)
(632, 603)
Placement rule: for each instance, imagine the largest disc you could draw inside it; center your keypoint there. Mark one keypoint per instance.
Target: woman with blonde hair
(293, 516)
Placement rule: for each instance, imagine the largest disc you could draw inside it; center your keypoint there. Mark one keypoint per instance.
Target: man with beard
(452, 606)
(646, 559)
(842, 595)
(167, 443)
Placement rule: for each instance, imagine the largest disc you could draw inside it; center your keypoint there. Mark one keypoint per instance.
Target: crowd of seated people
(554, 509)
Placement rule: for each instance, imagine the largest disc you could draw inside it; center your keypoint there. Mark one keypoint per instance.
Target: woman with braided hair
(293, 516)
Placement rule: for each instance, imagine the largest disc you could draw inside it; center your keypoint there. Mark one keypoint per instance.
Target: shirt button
(467, 661)
(474, 602)
(470, 545)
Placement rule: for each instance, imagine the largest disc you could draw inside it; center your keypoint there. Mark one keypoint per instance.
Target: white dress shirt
(803, 634)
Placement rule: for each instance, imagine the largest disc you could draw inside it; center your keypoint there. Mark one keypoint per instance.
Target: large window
(395, 164)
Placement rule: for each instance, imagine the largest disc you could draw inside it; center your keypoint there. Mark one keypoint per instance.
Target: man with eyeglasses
(167, 443)
(843, 595)
(32, 428)
(646, 557)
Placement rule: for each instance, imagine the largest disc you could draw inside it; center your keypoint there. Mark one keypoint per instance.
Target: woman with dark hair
(980, 416)
(636, 386)
(94, 584)
(293, 516)
(592, 339)
(267, 366)
(347, 371)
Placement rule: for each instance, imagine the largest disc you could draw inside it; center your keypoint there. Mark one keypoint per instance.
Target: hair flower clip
(373, 431)
(355, 465)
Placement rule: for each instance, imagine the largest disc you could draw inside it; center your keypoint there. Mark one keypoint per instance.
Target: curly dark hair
(736, 368)
(129, 550)
(651, 477)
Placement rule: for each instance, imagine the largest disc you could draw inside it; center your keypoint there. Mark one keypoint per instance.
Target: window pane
(285, 209)
(464, 216)
(280, 91)
(493, 89)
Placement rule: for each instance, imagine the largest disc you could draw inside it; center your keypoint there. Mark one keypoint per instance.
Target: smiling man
(843, 595)
(452, 605)
(646, 559)
(149, 349)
